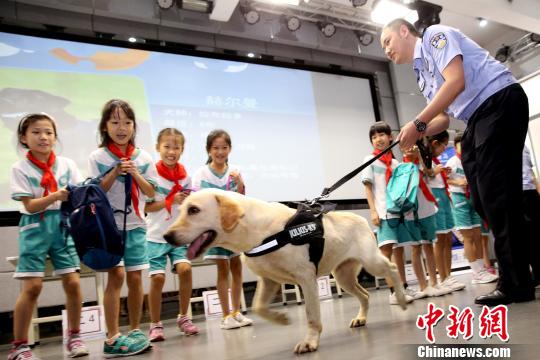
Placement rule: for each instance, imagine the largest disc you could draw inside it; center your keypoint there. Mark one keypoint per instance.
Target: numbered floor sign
(325, 290)
(212, 305)
(92, 323)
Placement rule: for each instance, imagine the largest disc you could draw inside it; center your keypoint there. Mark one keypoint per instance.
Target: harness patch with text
(304, 228)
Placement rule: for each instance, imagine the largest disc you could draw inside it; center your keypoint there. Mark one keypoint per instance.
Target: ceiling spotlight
(250, 15)
(293, 23)
(365, 38)
(328, 29)
(358, 3)
(250, 55)
(132, 39)
(482, 22)
(503, 54)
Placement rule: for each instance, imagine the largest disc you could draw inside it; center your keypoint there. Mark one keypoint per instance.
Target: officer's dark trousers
(492, 147)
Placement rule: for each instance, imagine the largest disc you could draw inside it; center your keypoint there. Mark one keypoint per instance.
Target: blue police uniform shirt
(529, 182)
(484, 76)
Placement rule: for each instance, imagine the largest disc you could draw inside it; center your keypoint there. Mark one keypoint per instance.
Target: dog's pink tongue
(195, 246)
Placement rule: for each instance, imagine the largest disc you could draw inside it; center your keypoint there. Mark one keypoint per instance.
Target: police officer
(459, 78)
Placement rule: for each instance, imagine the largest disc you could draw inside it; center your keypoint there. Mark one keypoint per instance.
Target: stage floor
(391, 333)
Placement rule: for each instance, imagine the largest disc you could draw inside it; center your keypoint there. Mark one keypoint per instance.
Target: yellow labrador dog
(239, 223)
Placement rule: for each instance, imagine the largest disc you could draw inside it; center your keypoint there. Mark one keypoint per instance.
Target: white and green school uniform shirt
(465, 217)
(205, 178)
(39, 233)
(158, 222)
(26, 178)
(101, 160)
(457, 173)
(375, 174)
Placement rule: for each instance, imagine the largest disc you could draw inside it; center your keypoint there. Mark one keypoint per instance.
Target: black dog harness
(305, 227)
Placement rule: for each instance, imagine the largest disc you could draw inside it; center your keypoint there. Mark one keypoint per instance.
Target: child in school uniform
(467, 221)
(173, 187)
(375, 179)
(39, 182)
(418, 230)
(117, 150)
(438, 182)
(218, 173)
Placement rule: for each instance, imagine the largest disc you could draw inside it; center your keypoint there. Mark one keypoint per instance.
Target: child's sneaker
(491, 270)
(228, 322)
(431, 291)
(242, 320)
(453, 283)
(122, 346)
(186, 326)
(76, 347)
(411, 294)
(443, 289)
(21, 352)
(138, 336)
(483, 277)
(156, 332)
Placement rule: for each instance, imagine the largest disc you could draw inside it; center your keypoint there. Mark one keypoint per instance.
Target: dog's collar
(305, 227)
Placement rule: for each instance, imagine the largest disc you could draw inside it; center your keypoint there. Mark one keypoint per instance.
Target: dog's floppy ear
(230, 212)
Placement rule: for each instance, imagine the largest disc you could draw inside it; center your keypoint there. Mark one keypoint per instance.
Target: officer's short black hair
(396, 24)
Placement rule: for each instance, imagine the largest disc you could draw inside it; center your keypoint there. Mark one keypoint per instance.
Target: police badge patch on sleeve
(438, 41)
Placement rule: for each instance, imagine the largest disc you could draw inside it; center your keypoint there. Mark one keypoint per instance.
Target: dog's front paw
(357, 322)
(280, 318)
(306, 346)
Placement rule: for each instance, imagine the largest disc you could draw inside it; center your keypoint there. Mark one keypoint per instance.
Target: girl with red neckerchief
(39, 182)
(117, 130)
(173, 187)
(438, 182)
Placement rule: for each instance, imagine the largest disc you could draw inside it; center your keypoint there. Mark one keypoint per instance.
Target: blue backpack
(402, 189)
(88, 217)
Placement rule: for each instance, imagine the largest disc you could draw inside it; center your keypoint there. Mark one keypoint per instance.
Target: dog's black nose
(169, 238)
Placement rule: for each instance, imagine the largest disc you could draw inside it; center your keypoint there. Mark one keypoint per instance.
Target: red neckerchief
(444, 178)
(173, 175)
(423, 186)
(467, 189)
(130, 149)
(48, 182)
(387, 160)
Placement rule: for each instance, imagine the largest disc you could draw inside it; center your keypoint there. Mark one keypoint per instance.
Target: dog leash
(326, 191)
(425, 154)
